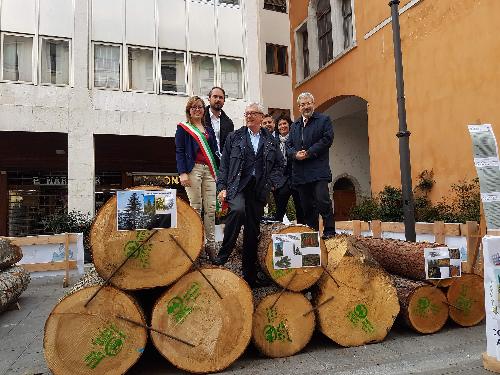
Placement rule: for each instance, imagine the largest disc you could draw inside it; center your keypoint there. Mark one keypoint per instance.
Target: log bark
(466, 299)
(398, 257)
(356, 300)
(283, 324)
(10, 254)
(424, 307)
(97, 339)
(159, 262)
(13, 281)
(89, 278)
(216, 330)
(296, 279)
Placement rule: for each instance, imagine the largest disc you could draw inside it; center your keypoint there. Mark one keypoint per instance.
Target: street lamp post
(403, 134)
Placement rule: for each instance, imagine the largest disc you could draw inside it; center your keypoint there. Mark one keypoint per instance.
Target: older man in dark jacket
(251, 166)
(308, 145)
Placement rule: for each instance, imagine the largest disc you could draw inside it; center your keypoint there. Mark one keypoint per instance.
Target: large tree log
(466, 298)
(397, 257)
(107, 337)
(159, 262)
(10, 254)
(216, 330)
(296, 279)
(424, 307)
(13, 281)
(283, 324)
(356, 300)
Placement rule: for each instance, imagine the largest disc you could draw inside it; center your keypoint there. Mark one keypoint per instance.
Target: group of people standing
(242, 167)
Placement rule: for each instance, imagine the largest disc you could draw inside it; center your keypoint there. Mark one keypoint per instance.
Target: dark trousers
(281, 197)
(316, 195)
(247, 210)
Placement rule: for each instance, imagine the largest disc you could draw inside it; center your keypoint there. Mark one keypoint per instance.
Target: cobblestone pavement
(454, 350)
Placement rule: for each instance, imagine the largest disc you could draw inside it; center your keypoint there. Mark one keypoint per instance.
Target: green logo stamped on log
(143, 253)
(275, 333)
(464, 302)
(108, 343)
(359, 315)
(425, 307)
(181, 307)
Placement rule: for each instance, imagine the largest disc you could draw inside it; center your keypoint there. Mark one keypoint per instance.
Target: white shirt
(216, 126)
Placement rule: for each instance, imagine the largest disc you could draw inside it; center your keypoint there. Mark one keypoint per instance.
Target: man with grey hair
(251, 166)
(308, 146)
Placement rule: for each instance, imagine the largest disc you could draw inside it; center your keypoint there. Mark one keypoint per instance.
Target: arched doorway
(344, 198)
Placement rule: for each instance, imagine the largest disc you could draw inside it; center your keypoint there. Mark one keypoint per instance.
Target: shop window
(173, 72)
(325, 41)
(17, 58)
(276, 59)
(107, 66)
(140, 69)
(275, 5)
(54, 61)
(232, 77)
(203, 74)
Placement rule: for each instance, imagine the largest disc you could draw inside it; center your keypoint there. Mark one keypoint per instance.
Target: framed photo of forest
(296, 250)
(146, 209)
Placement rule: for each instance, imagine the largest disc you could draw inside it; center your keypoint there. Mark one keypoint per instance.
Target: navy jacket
(316, 138)
(186, 148)
(232, 163)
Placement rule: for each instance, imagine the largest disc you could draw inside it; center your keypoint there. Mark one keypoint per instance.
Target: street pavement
(454, 350)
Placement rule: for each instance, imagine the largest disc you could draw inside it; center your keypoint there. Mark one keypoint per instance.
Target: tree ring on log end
(466, 298)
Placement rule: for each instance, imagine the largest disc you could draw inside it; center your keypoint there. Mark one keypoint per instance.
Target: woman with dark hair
(195, 150)
(282, 195)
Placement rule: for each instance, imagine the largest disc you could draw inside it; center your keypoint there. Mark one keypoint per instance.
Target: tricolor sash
(199, 137)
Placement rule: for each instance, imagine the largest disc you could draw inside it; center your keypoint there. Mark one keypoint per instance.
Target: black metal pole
(403, 133)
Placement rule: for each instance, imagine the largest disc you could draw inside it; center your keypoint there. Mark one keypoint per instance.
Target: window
(17, 58)
(278, 112)
(140, 69)
(275, 5)
(325, 41)
(347, 22)
(173, 72)
(305, 52)
(232, 77)
(276, 59)
(54, 61)
(203, 74)
(230, 2)
(107, 66)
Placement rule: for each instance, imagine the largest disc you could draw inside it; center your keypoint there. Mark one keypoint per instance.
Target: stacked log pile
(13, 279)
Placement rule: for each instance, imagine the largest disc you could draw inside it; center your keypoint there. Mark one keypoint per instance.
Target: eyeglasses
(248, 114)
(197, 107)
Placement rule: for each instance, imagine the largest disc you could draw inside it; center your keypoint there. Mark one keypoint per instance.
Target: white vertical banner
(491, 252)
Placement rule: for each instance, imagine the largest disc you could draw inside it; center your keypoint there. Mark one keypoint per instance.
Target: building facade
(342, 52)
(91, 92)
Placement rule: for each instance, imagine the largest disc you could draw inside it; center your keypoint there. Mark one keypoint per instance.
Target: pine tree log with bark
(13, 281)
(10, 254)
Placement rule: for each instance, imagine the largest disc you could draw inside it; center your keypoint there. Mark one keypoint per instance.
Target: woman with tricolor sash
(195, 150)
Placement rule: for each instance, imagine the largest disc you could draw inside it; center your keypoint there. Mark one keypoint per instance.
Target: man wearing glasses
(251, 166)
(308, 145)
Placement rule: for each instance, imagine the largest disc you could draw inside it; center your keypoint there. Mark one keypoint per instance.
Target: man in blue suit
(308, 146)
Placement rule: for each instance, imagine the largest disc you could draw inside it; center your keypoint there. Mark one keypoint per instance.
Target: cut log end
(13, 281)
(214, 331)
(282, 327)
(466, 299)
(96, 339)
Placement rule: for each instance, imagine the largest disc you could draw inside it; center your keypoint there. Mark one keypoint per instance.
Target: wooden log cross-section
(158, 259)
(365, 302)
(213, 317)
(105, 338)
(296, 279)
(10, 254)
(424, 307)
(13, 281)
(283, 324)
(466, 299)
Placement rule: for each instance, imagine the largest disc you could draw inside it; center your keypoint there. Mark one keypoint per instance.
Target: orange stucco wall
(451, 58)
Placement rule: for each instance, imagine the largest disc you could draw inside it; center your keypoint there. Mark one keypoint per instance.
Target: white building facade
(91, 92)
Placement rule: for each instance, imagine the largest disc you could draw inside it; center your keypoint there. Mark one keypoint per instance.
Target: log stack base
(95, 339)
(283, 324)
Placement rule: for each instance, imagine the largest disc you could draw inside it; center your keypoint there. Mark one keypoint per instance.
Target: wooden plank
(43, 240)
(473, 240)
(4, 203)
(376, 228)
(356, 228)
(52, 266)
(66, 261)
(393, 227)
(439, 232)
